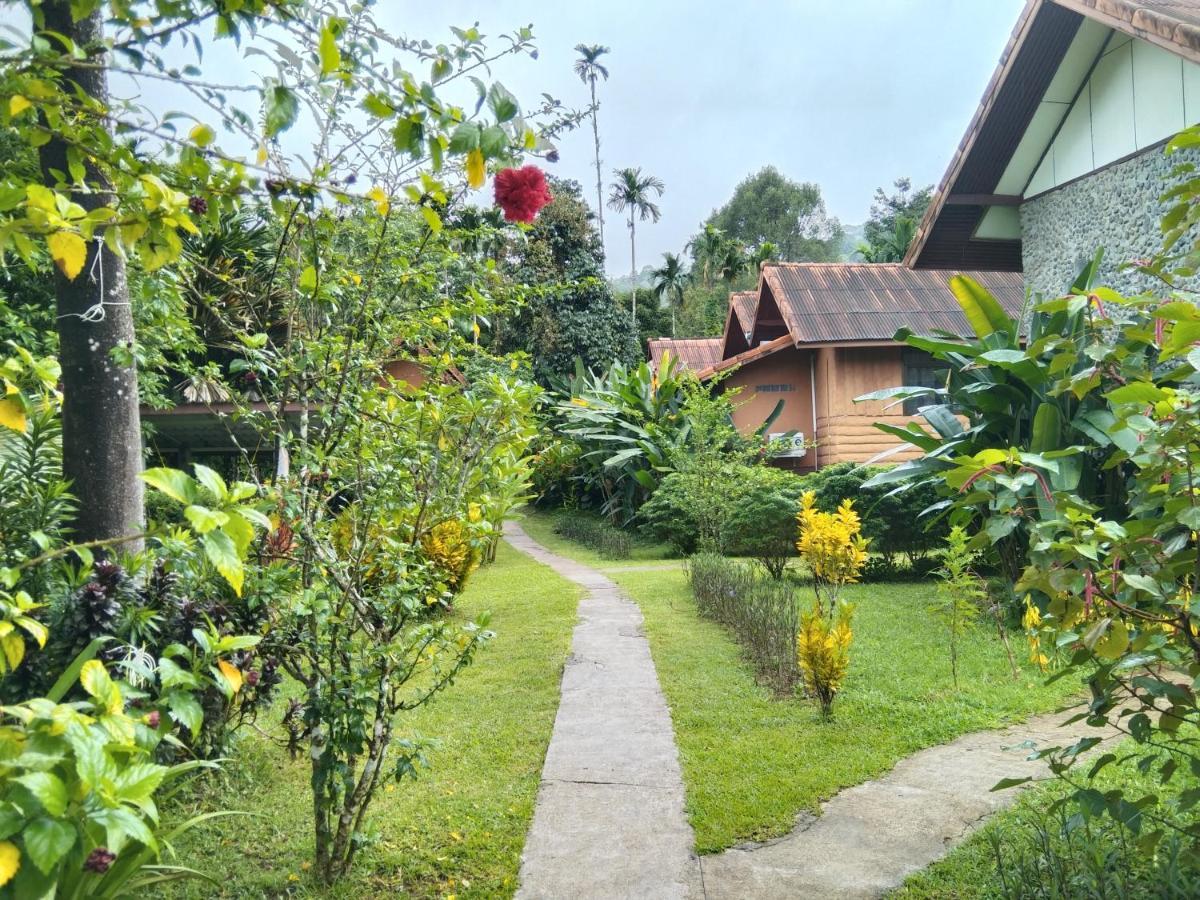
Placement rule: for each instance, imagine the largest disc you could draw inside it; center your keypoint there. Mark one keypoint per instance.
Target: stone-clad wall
(1117, 208)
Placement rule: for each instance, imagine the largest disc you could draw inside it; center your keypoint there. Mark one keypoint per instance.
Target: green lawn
(459, 830)
(539, 524)
(751, 762)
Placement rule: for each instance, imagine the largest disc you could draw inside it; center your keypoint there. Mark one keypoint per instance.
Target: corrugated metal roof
(694, 353)
(745, 304)
(841, 302)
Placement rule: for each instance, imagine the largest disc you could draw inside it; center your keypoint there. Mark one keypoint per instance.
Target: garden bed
(459, 829)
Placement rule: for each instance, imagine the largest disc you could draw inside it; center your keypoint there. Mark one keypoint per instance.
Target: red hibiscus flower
(521, 193)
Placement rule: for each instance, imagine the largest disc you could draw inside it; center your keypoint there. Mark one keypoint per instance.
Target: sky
(850, 94)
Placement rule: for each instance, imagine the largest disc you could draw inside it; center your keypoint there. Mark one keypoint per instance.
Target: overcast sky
(850, 94)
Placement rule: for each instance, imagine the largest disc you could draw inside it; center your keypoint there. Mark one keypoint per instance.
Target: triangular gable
(769, 322)
(1055, 50)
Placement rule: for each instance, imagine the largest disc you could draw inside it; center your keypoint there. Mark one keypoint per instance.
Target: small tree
(835, 551)
(959, 596)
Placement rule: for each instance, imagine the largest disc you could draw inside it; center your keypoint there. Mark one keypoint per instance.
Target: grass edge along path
(459, 829)
(753, 762)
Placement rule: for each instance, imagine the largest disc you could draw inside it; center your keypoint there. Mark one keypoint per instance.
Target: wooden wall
(845, 429)
(751, 408)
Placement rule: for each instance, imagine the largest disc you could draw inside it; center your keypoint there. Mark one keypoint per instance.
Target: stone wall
(1117, 209)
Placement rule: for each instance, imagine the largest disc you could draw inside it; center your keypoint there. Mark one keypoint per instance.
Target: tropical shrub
(80, 761)
(758, 515)
(1099, 482)
(609, 542)
(449, 550)
(759, 611)
(626, 422)
(832, 546)
(823, 650)
(835, 552)
(894, 521)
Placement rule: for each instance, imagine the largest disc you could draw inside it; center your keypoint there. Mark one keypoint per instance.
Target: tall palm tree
(733, 261)
(764, 253)
(588, 68)
(631, 191)
(707, 249)
(669, 281)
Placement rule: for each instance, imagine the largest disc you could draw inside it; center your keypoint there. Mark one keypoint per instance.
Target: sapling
(960, 596)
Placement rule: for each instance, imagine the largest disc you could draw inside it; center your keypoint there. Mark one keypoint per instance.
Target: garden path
(609, 820)
(610, 823)
(869, 838)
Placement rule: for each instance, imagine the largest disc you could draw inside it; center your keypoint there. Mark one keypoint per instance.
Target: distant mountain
(854, 235)
(623, 283)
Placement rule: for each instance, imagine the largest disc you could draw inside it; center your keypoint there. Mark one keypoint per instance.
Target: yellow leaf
(13, 646)
(68, 250)
(232, 674)
(12, 414)
(262, 154)
(380, 199)
(10, 861)
(476, 170)
(17, 105)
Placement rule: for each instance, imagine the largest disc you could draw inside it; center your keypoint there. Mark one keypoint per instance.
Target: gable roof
(739, 323)
(1039, 43)
(829, 303)
(693, 353)
(744, 305)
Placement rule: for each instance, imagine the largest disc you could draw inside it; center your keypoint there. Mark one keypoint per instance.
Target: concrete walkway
(609, 821)
(869, 838)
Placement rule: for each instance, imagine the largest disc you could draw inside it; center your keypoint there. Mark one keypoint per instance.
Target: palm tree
(669, 281)
(707, 248)
(733, 261)
(891, 247)
(765, 252)
(589, 70)
(631, 191)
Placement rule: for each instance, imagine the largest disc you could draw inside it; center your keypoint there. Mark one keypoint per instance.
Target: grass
(751, 762)
(540, 526)
(458, 830)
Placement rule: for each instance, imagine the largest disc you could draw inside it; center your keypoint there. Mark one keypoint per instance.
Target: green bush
(760, 611)
(893, 523)
(759, 518)
(609, 542)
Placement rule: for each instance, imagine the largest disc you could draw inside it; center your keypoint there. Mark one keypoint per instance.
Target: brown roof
(1040, 39)
(693, 353)
(1173, 24)
(744, 304)
(826, 303)
(764, 349)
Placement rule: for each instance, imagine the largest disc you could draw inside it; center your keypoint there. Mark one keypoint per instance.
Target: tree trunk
(596, 140)
(633, 270)
(102, 440)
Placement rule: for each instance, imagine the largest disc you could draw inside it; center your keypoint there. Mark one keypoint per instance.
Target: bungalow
(1063, 156)
(822, 335)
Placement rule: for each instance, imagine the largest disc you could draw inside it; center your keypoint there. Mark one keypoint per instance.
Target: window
(920, 370)
(774, 388)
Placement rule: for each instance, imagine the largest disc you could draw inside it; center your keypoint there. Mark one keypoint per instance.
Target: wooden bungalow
(821, 335)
